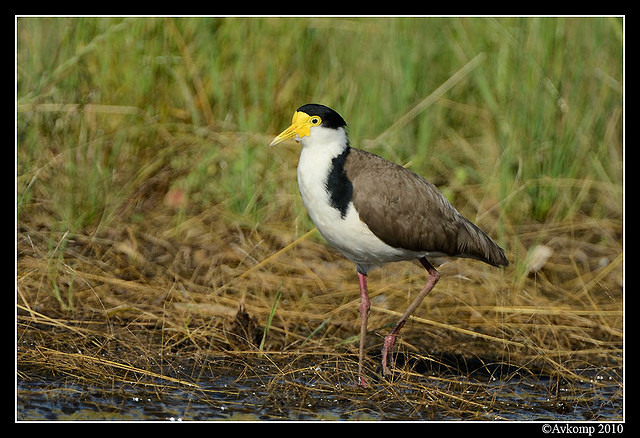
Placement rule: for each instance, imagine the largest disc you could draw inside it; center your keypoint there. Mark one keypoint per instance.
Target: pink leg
(390, 339)
(365, 304)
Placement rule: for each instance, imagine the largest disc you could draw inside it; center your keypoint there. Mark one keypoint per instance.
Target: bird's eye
(315, 121)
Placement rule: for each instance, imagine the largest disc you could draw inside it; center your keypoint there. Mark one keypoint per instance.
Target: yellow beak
(300, 126)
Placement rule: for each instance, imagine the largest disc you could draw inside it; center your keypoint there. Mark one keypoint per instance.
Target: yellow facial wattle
(301, 125)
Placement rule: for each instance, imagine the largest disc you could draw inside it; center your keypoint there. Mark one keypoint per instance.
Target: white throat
(324, 141)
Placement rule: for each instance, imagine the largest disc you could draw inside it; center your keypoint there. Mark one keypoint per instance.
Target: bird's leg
(365, 304)
(390, 339)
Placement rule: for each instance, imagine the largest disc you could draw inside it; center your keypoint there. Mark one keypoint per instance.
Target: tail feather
(475, 243)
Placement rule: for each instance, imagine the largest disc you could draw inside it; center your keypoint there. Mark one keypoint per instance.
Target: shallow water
(308, 396)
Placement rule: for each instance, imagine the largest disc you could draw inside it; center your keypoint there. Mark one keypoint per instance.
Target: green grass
(150, 208)
(270, 319)
(199, 98)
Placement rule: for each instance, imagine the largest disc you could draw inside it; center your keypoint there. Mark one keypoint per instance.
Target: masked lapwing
(375, 211)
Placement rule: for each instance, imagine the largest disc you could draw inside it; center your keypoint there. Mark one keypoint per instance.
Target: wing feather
(406, 211)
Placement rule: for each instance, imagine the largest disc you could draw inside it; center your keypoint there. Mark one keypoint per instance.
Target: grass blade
(276, 300)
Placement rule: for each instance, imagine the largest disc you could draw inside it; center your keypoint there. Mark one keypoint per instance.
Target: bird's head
(313, 122)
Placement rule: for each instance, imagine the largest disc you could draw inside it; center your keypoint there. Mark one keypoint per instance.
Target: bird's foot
(387, 349)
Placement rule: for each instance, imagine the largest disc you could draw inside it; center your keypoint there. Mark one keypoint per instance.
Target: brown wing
(406, 211)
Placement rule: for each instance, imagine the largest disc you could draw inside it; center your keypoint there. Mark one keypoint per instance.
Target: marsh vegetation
(166, 267)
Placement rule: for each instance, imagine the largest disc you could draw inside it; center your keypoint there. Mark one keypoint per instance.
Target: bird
(374, 212)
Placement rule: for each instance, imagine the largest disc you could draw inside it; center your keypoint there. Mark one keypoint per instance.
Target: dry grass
(187, 306)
